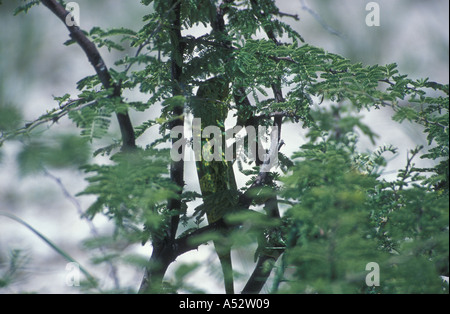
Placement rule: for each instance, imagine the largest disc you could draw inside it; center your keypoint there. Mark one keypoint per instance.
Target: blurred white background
(35, 65)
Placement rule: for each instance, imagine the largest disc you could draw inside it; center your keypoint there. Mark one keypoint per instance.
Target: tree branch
(319, 19)
(187, 242)
(91, 51)
(294, 16)
(53, 116)
(268, 257)
(201, 40)
(164, 250)
(93, 229)
(176, 168)
(259, 276)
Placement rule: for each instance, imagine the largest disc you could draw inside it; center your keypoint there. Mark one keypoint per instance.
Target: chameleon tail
(224, 254)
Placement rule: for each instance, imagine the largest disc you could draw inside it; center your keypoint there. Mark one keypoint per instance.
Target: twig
(201, 40)
(92, 228)
(154, 32)
(319, 19)
(266, 261)
(52, 117)
(164, 252)
(176, 168)
(294, 16)
(99, 65)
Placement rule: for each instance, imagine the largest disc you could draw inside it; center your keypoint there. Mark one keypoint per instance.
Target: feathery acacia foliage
(320, 216)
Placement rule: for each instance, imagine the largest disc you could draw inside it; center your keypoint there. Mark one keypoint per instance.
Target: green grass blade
(64, 254)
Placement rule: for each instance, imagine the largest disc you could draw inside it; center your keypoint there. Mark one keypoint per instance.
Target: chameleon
(217, 181)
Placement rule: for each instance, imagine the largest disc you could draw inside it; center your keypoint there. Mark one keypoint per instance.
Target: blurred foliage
(12, 267)
(133, 192)
(61, 151)
(10, 117)
(339, 214)
(346, 219)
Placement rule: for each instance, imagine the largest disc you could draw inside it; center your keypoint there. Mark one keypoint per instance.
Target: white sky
(412, 33)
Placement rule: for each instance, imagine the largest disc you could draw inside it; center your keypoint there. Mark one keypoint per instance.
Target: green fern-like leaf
(26, 7)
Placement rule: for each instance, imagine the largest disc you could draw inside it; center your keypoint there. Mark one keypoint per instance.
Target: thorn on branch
(294, 16)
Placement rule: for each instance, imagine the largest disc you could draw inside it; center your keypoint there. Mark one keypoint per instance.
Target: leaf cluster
(337, 213)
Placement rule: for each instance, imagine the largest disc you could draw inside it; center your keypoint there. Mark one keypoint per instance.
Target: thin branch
(164, 250)
(260, 274)
(187, 242)
(276, 114)
(92, 228)
(384, 103)
(319, 19)
(100, 67)
(294, 16)
(164, 253)
(176, 168)
(149, 38)
(202, 41)
(267, 259)
(50, 117)
(269, 254)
